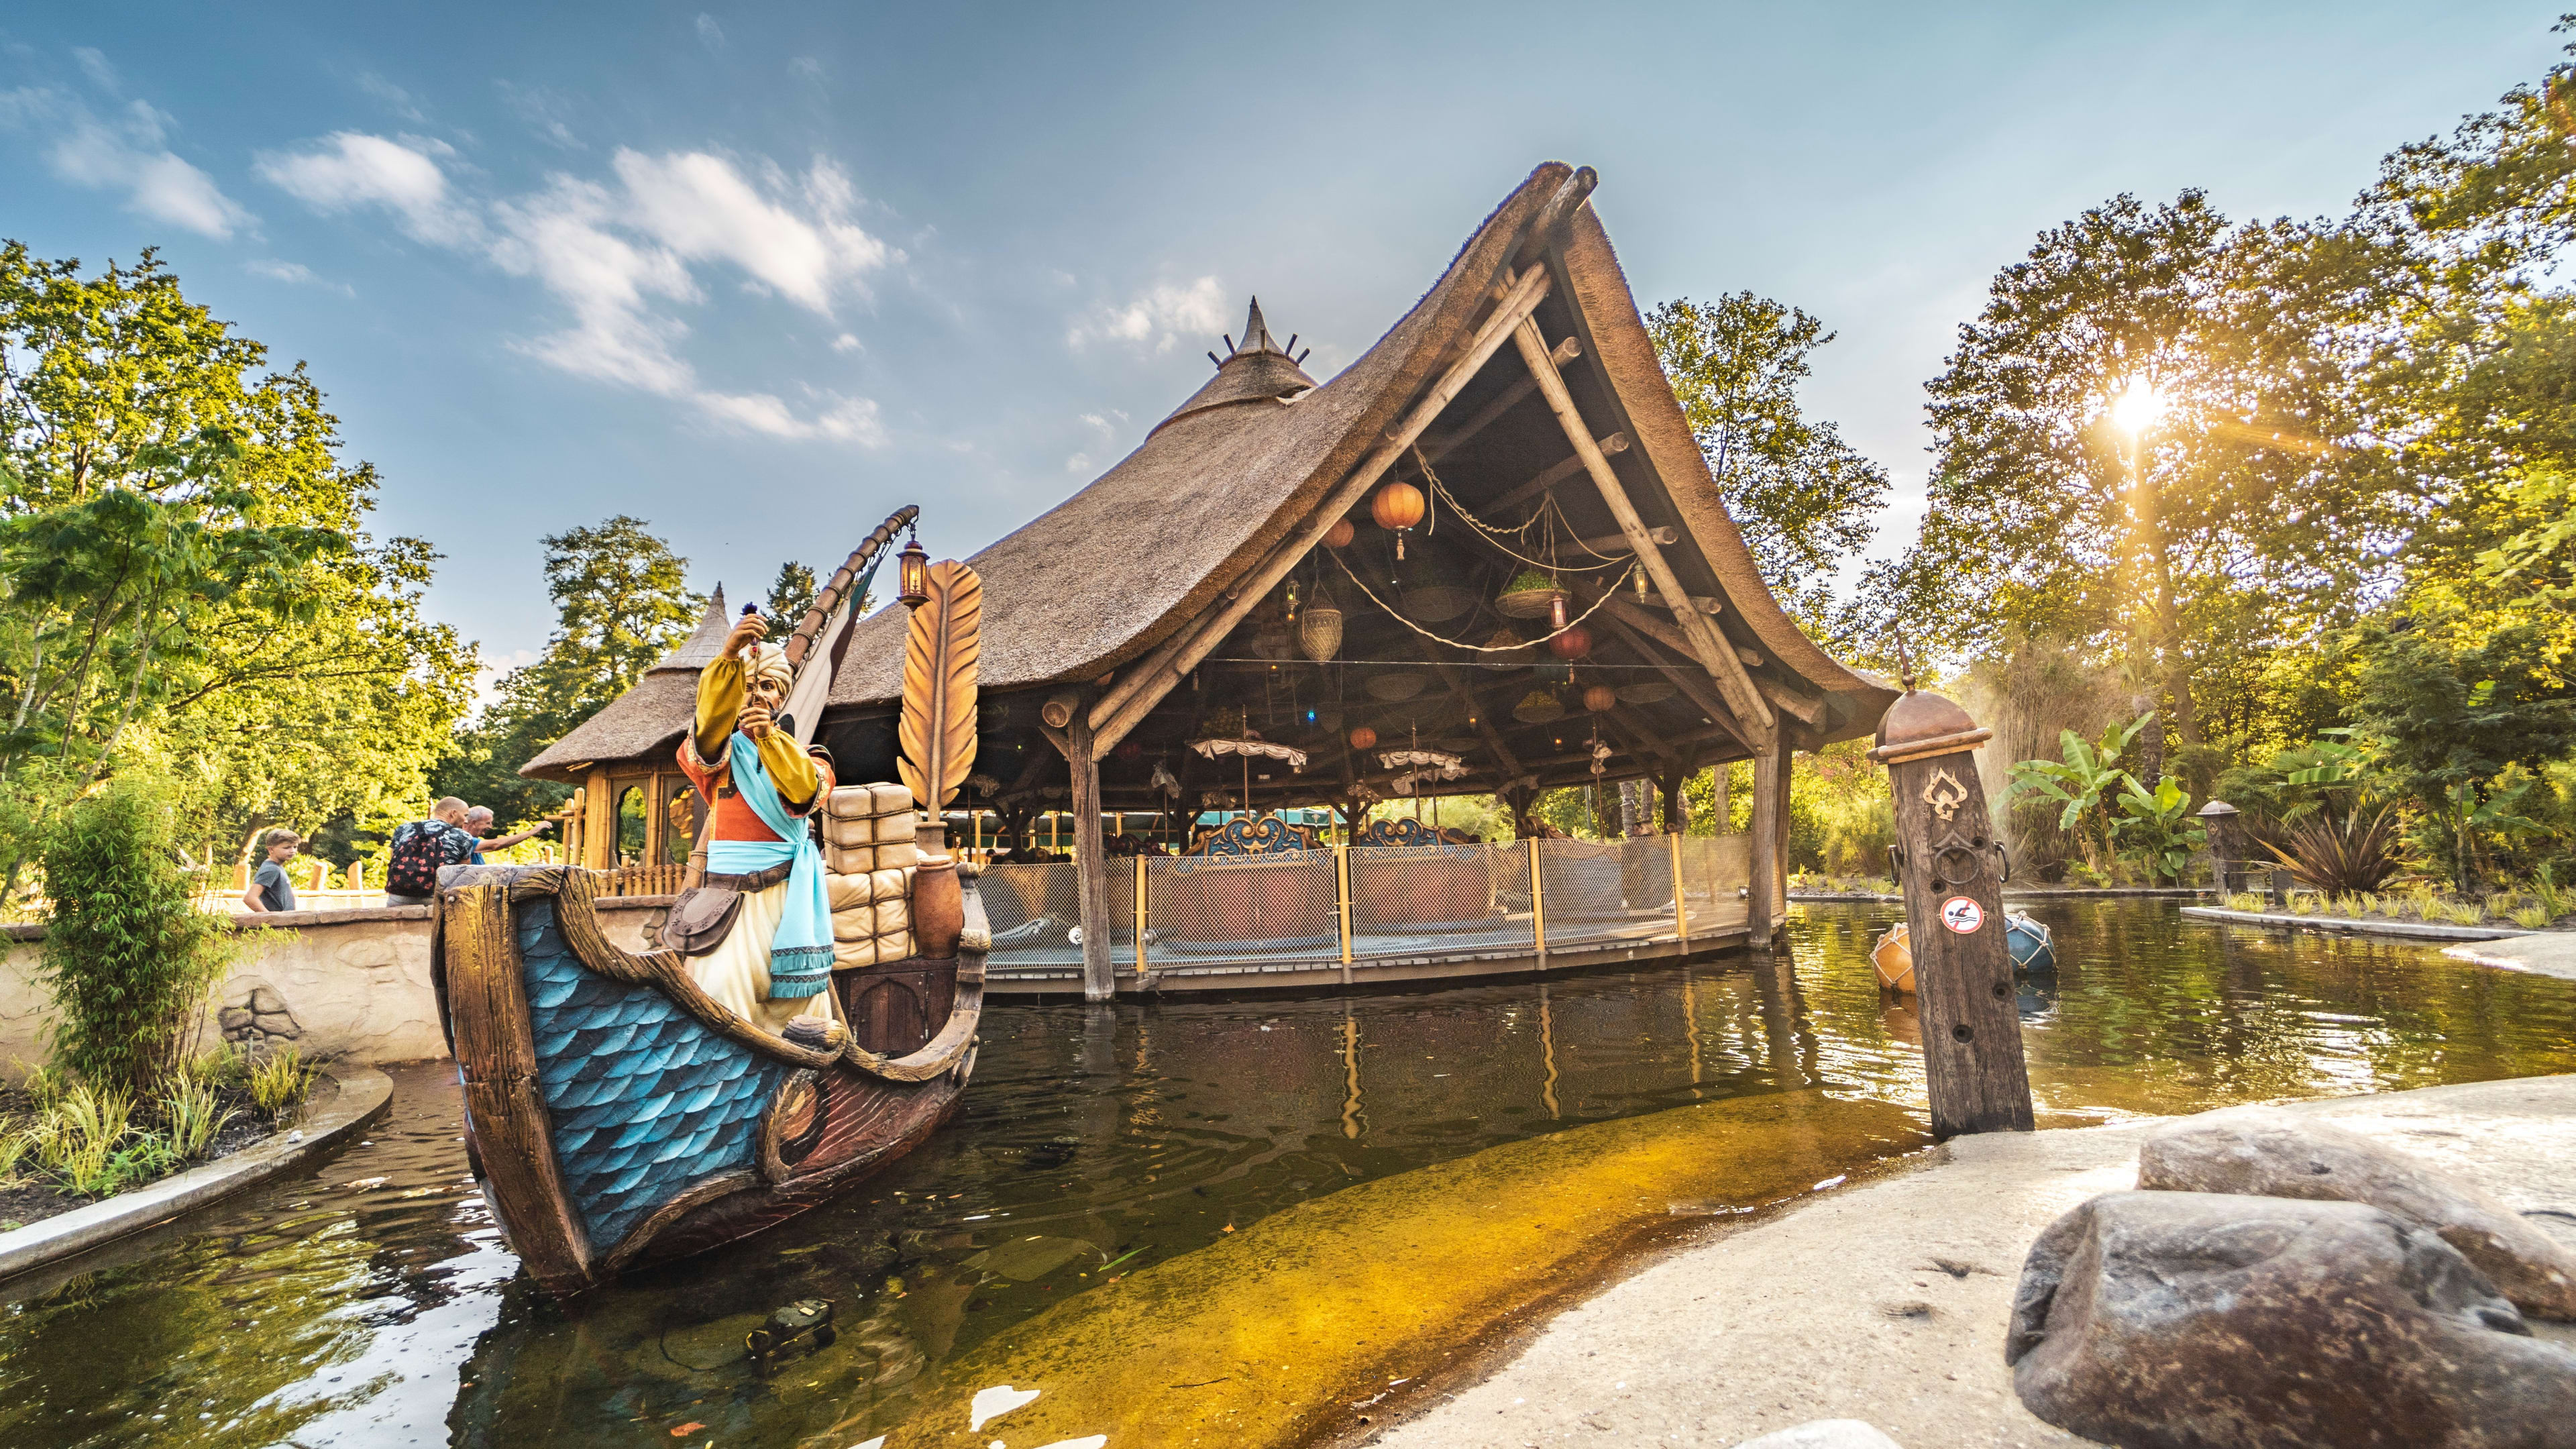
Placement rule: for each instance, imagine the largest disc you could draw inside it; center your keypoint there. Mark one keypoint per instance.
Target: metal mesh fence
(1405, 902)
(1031, 909)
(1440, 900)
(1603, 892)
(1714, 872)
(1260, 909)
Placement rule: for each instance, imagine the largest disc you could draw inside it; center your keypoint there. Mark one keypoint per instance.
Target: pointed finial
(1256, 332)
(1904, 662)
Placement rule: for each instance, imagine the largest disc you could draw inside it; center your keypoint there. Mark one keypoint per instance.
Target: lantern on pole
(1397, 506)
(913, 568)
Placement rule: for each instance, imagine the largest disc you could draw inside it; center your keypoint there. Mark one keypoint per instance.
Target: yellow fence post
(1538, 905)
(1140, 918)
(1681, 912)
(1342, 903)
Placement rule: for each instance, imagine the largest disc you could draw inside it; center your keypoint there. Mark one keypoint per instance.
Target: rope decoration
(1495, 536)
(1597, 604)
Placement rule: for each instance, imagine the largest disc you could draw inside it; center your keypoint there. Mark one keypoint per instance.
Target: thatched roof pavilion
(1151, 608)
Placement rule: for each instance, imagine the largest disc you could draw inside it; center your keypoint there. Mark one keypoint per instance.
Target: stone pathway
(2550, 953)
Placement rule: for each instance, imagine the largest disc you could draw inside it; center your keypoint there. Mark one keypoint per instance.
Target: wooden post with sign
(1947, 864)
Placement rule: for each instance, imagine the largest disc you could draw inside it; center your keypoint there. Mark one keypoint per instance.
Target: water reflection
(374, 1304)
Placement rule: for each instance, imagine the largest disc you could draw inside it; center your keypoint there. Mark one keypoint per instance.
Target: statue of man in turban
(774, 964)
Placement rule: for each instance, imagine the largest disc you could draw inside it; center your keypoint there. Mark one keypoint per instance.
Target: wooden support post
(1770, 764)
(1142, 919)
(1342, 903)
(1681, 911)
(1954, 914)
(1780, 828)
(1538, 903)
(1090, 864)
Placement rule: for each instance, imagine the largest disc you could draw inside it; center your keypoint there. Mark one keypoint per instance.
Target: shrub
(279, 1080)
(2532, 918)
(128, 959)
(2343, 851)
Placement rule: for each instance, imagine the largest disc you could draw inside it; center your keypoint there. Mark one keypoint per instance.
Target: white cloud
(350, 171)
(710, 34)
(393, 97)
(296, 273)
(124, 151)
(1157, 318)
(618, 256)
(1078, 463)
(96, 67)
(847, 342)
(548, 112)
(810, 67)
(488, 676)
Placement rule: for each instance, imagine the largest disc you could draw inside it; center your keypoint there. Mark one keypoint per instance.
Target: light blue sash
(800, 955)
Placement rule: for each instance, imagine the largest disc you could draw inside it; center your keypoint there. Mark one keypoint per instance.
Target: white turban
(767, 661)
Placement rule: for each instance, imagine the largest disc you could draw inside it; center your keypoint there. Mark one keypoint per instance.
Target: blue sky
(759, 275)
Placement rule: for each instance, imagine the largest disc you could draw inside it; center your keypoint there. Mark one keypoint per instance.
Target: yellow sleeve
(719, 700)
(790, 769)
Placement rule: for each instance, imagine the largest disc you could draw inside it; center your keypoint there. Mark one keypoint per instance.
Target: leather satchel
(704, 914)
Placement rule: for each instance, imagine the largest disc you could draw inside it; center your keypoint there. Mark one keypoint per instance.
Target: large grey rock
(1823, 1434)
(2273, 1154)
(2178, 1320)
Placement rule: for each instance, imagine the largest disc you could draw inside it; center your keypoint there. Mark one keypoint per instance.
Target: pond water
(1225, 1200)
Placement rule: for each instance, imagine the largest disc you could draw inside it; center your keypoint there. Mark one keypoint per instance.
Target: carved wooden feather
(938, 729)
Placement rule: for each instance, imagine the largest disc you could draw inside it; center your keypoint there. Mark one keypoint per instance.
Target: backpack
(418, 852)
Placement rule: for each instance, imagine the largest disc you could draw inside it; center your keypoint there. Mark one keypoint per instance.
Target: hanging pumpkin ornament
(1319, 633)
(1397, 506)
(1363, 738)
(1340, 534)
(1600, 698)
(1571, 645)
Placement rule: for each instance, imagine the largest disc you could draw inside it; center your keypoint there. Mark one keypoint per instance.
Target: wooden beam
(1764, 892)
(1090, 864)
(1617, 543)
(1554, 474)
(1150, 686)
(1807, 708)
(1706, 644)
(1437, 448)
(1694, 685)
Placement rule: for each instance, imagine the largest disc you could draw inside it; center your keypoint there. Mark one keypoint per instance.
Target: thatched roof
(1112, 572)
(647, 718)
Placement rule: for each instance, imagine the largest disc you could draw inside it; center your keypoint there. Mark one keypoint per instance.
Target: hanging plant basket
(1436, 603)
(1538, 707)
(1646, 691)
(1509, 645)
(1531, 596)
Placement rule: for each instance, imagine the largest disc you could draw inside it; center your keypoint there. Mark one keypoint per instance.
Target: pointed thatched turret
(1258, 371)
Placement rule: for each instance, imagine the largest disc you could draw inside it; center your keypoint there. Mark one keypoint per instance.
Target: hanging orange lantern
(1340, 534)
(1363, 738)
(1574, 643)
(1397, 506)
(1600, 698)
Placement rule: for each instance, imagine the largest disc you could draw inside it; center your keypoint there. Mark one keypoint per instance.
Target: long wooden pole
(1770, 769)
(1149, 686)
(1807, 708)
(1707, 645)
(1090, 864)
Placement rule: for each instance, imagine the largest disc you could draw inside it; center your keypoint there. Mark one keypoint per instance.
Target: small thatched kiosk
(1487, 557)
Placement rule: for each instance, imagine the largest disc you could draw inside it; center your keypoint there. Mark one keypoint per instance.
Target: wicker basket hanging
(1533, 595)
(1319, 629)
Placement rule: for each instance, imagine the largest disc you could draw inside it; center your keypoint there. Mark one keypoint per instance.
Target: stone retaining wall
(351, 985)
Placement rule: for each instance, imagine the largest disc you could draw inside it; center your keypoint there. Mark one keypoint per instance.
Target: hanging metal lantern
(1363, 738)
(1573, 644)
(1340, 534)
(1600, 699)
(1556, 611)
(913, 570)
(1319, 632)
(1397, 506)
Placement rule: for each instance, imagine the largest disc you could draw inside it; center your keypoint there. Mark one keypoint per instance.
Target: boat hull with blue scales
(617, 1115)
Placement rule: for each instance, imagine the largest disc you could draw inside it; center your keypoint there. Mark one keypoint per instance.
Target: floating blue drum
(2027, 942)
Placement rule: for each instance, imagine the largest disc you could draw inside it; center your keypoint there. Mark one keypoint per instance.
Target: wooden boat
(617, 1115)
(2028, 942)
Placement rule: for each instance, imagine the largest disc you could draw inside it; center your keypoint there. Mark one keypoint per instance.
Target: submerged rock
(1823, 1434)
(2183, 1320)
(2274, 1154)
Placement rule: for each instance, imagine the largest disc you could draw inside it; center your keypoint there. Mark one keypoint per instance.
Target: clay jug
(938, 901)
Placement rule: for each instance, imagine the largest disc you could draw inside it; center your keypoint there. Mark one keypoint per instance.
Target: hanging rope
(1496, 536)
(1481, 648)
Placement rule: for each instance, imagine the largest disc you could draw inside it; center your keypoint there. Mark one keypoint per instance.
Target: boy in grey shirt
(269, 888)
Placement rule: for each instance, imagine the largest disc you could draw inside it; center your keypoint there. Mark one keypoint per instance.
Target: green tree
(790, 594)
(188, 579)
(621, 603)
(1805, 500)
(2236, 520)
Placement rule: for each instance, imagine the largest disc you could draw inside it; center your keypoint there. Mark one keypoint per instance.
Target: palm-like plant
(2339, 851)
(2084, 781)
